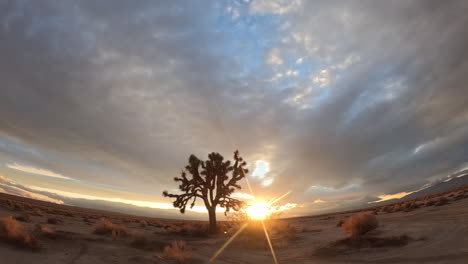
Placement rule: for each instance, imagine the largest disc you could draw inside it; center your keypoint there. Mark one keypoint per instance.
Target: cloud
(275, 6)
(274, 57)
(261, 169)
(267, 181)
(241, 195)
(323, 78)
(33, 170)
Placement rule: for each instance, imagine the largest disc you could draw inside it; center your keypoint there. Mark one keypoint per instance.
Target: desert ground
(431, 229)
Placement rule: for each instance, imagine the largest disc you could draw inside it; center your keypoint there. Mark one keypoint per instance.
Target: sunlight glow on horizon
(386, 197)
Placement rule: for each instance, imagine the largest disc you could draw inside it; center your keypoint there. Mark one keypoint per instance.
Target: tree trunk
(212, 216)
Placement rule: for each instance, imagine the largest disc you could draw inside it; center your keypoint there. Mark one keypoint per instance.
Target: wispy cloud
(38, 171)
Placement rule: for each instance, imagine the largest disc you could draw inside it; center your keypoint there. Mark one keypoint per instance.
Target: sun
(258, 211)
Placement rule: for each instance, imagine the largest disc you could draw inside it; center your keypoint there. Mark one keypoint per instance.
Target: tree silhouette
(210, 182)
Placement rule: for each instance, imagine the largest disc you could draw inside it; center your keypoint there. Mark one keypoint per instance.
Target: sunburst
(258, 211)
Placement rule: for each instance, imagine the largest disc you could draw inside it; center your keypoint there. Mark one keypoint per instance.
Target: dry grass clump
(179, 251)
(429, 202)
(87, 220)
(143, 223)
(360, 224)
(37, 212)
(45, 231)
(409, 206)
(24, 218)
(340, 223)
(155, 224)
(441, 201)
(397, 208)
(106, 227)
(372, 242)
(54, 221)
(460, 195)
(188, 229)
(13, 231)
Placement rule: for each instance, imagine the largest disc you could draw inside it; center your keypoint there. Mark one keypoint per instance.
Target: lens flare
(258, 211)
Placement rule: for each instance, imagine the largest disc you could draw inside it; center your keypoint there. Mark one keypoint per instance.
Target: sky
(343, 103)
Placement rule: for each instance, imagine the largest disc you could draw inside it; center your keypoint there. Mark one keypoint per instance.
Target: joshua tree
(210, 182)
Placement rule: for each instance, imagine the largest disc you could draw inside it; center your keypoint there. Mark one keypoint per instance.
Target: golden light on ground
(258, 211)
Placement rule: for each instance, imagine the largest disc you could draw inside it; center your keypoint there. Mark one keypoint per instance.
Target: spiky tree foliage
(213, 181)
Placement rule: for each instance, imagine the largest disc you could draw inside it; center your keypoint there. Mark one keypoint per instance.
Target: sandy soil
(437, 234)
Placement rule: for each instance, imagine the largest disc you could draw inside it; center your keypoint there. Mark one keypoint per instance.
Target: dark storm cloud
(121, 92)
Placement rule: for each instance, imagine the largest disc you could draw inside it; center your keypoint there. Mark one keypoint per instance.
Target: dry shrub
(397, 207)
(369, 241)
(387, 209)
(13, 231)
(87, 220)
(69, 214)
(178, 251)
(143, 223)
(155, 224)
(459, 196)
(359, 224)
(54, 221)
(190, 230)
(409, 206)
(106, 227)
(45, 231)
(37, 212)
(441, 201)
(340, 223)
(428, 203)
(24, 218)
(9, 203)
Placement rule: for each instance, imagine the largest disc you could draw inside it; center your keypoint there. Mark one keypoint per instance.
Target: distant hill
(457, 179)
